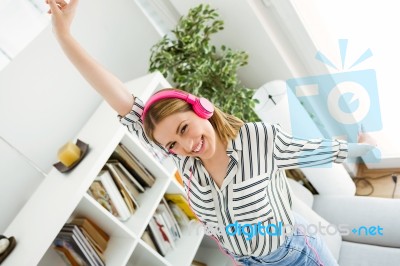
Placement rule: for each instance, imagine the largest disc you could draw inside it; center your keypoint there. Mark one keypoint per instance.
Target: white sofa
(338, 207)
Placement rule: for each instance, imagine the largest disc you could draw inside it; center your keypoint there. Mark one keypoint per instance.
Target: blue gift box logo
(345, 100)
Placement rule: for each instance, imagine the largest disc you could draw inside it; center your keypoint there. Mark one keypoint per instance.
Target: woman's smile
(186, 134)
(199, 146)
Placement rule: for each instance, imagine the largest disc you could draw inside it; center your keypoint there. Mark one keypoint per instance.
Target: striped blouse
(255, 189)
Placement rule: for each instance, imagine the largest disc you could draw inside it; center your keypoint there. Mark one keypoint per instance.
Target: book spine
(139, 163)
(131, 178)
(127, 197)
(179, 215)
(168, 240)
(97, 234)
(131, 166)
(139, 167)
(68, 237)
(171, 232)
(158, 237)
(115, 196)
(85, 243)
(179, 200)
(175, 223)
(122, 181)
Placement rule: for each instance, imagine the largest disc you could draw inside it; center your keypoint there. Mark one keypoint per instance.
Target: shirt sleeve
(134, 123)
(291, 152)
(133, 120)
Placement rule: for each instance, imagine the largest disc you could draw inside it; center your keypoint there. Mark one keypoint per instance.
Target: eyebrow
(177, 131)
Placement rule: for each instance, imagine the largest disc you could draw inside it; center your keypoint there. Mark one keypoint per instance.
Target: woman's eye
(171, 146)
(183, 129)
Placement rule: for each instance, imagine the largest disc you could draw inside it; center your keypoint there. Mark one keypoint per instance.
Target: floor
(377, 182)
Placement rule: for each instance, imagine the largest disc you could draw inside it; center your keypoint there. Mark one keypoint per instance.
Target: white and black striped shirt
(255, 189)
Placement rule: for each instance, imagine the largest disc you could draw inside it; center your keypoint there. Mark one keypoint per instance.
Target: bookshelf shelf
(143, 255)
(189, 242)
(175, 187)
(89, 208)
(62, 197)
(151, 198)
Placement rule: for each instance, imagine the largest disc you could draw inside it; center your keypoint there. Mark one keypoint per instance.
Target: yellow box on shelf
(69, 153)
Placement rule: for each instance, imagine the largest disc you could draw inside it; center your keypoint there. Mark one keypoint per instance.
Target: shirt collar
(235, 144)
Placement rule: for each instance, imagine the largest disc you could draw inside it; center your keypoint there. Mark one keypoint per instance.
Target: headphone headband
(201, 106)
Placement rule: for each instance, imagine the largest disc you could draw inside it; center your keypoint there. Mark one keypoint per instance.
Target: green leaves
(200, 68)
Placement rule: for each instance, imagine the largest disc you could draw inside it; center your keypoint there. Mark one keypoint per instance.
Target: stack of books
(165, 227)
(119, 184)
(81, 242)
(180, 201)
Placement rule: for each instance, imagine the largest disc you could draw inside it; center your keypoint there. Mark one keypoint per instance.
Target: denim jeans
(298, 249)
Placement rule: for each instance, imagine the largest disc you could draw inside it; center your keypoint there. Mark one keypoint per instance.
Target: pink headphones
(201, 106)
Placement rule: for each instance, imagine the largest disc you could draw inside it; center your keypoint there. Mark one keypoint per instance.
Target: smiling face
(186, 134)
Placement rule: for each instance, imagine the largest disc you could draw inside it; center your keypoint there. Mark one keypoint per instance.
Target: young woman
(233, 171)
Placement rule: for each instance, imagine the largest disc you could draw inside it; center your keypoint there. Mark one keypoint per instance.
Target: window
(20, 22)
(366, 25)
(161, 13)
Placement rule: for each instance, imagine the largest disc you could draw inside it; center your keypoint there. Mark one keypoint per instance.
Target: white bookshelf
(61, 197)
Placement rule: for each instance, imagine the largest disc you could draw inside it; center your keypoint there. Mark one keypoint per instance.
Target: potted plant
(195, 65)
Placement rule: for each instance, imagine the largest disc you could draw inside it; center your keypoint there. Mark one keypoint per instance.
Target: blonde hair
(225, 125)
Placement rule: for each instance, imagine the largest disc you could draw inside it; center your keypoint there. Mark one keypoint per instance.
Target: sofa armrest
(375, 220)
(331, 179)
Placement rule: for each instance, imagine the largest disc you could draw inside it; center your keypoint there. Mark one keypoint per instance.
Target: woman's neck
(219, 155)
(218, 164)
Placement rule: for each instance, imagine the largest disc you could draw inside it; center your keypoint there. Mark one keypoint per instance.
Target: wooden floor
(380, 182)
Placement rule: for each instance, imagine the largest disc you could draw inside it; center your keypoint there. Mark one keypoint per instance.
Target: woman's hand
(365, 138)
(62, 15)
(366, 143)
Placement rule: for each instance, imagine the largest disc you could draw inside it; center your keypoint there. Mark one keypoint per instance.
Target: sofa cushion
(330, 179)
(364, 215)
(355, 254)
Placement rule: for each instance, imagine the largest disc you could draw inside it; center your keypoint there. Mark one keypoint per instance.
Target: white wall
(44, 101)
(244, 31)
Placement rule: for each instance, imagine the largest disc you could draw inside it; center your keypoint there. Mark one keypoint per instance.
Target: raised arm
(291, 152)
(104, 82)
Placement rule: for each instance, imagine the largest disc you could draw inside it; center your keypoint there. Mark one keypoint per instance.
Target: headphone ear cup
(203, 108)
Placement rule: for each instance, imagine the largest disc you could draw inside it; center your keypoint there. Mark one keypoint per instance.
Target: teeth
(199, 146)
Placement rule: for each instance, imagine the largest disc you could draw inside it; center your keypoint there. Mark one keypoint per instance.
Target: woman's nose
(188, 144)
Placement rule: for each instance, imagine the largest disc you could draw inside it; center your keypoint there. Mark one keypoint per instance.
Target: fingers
(61, 3)
(56, 6)
(54, 9)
